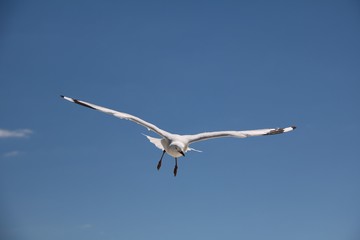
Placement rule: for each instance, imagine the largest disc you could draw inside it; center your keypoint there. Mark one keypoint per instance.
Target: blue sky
(67, 172)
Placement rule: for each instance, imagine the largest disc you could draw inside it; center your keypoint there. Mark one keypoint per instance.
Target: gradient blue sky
(67, 172)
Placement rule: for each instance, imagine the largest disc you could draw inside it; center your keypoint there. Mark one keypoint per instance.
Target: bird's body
(174, 144)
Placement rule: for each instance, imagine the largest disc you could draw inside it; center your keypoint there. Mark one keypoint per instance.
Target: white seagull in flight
(174, 144)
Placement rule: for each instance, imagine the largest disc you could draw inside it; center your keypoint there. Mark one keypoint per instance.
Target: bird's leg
(159, 163)
(176, 167)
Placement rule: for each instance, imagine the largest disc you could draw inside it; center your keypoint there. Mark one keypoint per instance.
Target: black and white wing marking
(237, 134)
(149, 126)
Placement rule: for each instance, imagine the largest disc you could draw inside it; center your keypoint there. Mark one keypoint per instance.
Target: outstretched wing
(237, 134)
(121, 115)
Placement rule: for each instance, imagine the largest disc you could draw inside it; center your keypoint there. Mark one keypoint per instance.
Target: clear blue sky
(67, 172)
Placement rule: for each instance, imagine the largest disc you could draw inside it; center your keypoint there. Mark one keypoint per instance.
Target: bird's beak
(182, 153)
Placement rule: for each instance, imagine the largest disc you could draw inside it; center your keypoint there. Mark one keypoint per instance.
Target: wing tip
(281, 130)
(67, 98)
(288, 129)
(77, 102)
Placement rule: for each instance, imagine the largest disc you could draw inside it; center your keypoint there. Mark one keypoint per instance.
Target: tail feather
(195, 150)
(155, 141)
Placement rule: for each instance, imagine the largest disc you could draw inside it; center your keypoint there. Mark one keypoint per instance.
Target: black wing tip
(83, 104)
(77, 101)
(281, 130)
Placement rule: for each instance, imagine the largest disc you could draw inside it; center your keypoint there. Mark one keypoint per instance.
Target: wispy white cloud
(86, 226)
(20, 133)
(11, 154)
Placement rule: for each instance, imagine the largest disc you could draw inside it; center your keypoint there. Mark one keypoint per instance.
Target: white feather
(180, 140)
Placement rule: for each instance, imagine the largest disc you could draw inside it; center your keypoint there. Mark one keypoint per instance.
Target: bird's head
(178, 147)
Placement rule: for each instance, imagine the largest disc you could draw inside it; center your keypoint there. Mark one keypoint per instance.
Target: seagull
(174, 144)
